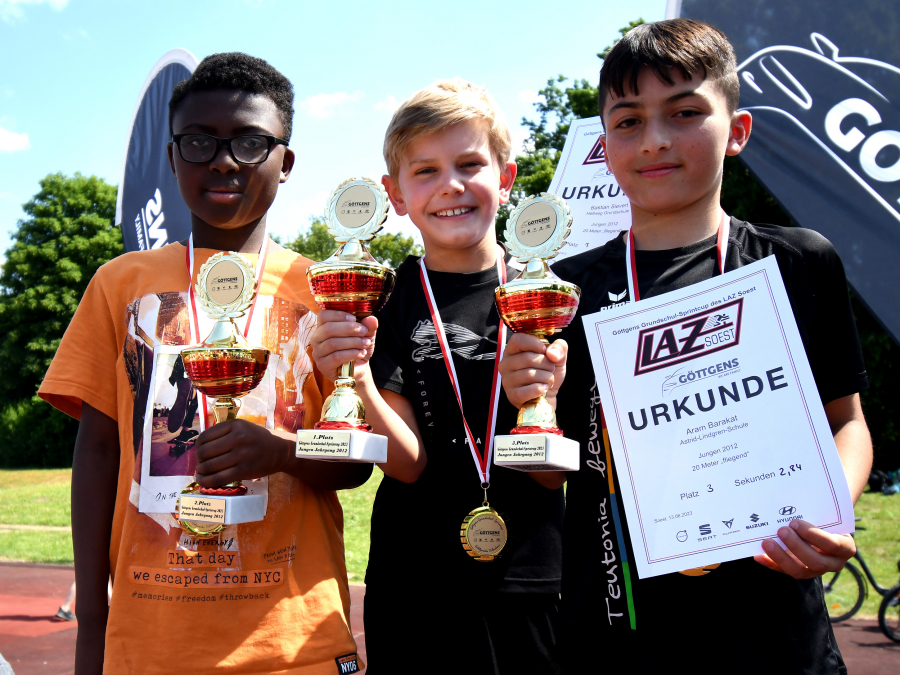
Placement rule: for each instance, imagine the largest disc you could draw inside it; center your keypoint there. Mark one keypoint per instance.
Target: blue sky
(72, 71)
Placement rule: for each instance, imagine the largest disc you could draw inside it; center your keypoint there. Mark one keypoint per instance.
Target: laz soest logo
(695, 335)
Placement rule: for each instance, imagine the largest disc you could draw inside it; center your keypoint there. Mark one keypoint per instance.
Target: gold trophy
(539, 303)
(224, 367)
(351, 281)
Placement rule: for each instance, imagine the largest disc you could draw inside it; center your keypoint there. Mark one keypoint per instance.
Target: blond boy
(429, 603)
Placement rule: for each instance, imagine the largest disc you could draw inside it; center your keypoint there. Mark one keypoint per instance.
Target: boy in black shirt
(430, 604)
(668, 97)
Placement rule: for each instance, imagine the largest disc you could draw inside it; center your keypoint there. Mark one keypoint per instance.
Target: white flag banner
(600, 210)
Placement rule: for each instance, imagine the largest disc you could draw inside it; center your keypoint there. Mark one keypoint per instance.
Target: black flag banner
(823, 84)
(149, 208)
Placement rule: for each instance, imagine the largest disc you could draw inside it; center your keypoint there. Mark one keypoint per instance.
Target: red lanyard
(721, 247)
(194, 321)
(482, 460)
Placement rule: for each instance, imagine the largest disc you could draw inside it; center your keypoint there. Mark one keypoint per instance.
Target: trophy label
(536, 224)
(322, 443)
(224, 283)
(521, 448)
(356, 206)
(486, 534)
(201, 509)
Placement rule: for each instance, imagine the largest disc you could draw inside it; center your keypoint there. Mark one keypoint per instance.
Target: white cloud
(528, 96)
(10, 10)
(322, 106)
(390, 104)
(13, 142)
(519, 136)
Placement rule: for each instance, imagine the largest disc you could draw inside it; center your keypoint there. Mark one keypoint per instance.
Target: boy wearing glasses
(267, 596)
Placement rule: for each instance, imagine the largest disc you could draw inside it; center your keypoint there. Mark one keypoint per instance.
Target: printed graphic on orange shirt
(165, 443)
(160, 576)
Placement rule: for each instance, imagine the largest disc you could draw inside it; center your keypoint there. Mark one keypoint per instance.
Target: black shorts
(498, 634)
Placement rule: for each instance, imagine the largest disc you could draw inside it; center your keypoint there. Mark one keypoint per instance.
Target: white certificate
(600, 210)
(716, 426)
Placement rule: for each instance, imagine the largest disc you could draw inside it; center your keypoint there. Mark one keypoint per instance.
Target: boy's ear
(605, 152)
(287, 164)
(507, 178)
(739, 134)
(395, 195)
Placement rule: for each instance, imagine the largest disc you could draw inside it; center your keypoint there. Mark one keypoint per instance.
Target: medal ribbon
(483, 460)
(194, 321)
(721, 248)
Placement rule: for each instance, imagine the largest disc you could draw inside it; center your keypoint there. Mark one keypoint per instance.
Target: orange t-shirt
(274, 598)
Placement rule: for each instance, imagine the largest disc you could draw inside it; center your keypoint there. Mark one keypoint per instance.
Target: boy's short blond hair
(439, 106)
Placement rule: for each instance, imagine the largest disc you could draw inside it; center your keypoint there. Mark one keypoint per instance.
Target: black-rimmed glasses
(249, 149)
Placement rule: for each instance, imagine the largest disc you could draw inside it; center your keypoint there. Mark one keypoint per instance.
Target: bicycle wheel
(889, 614)
(844, 593)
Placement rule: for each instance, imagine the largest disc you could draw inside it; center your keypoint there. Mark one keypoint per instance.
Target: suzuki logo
(787, 510)
(754, 517)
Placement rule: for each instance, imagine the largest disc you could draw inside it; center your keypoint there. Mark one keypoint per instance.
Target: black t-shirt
(739, 617)
(415, 526)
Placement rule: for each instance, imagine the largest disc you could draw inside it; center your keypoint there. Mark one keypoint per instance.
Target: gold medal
(483, 533)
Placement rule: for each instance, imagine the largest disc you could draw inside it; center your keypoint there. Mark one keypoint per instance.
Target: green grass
(357, 514)
(35, 497)
(36, 546)
(41, 497)
(879, 544)
(35, 503)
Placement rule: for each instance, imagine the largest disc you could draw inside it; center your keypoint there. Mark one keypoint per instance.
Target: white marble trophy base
(536, 452)
(238, 508)
(341, 446)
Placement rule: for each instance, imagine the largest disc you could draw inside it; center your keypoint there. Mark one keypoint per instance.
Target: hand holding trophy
(224, 366)
(539, 303)
(351, 281)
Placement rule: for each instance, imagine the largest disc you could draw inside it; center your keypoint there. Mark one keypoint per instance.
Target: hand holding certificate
(715, 421)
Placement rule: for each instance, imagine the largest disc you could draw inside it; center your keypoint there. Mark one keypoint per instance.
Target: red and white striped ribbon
(483, 459)
(721, 248)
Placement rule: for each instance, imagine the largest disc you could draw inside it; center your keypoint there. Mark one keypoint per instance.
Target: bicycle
(889, 613)
(846, 590)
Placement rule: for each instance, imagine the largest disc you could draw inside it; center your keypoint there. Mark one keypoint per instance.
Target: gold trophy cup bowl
(350, 281)
(538, 306)
(224, 367)
(538, 303)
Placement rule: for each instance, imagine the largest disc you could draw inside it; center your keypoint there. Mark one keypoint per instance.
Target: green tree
(316, 244)
(68, 233)
(560, 105)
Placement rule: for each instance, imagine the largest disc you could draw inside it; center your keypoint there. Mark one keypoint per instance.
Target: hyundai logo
(787, 510)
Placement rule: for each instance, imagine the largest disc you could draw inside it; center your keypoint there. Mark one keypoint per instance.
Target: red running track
(35, 643)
